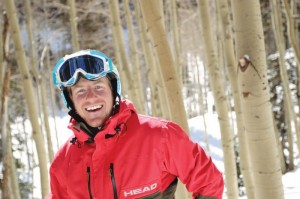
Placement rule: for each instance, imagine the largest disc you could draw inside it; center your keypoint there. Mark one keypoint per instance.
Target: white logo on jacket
(140, 190)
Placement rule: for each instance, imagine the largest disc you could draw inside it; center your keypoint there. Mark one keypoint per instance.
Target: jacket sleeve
(189, 162)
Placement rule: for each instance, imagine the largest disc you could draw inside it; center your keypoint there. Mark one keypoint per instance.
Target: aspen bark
(73, 20)
(151, 11)
(158, 102)
(4, 41)
(201, 105)
(220, 102)
(255, 99)
(29, 95)
(279, 39)
(155, 27)
(136, 66)
(1, 58)
(125, 71)
(45, 53)
(11, 163)
(37, 76)
(6, 184)
(176, 37)
(295, 45)
(245, 162)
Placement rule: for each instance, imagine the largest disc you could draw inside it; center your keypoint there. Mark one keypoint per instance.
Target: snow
(290, 180)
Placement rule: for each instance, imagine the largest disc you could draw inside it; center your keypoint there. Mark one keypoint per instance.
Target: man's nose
(90, 94)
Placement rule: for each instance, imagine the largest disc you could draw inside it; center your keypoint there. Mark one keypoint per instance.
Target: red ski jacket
(132, 156)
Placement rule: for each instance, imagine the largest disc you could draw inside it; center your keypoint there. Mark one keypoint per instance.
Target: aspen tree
(29, 95)
(5, 134)
(136, 66)
(120, 49)
(73, 20)
(176, 37)
(155, 27)
(245, 163)
(255, 99)
(152, 15)
(279, 39)
(39, 80)
(45, 53)
(220, 102)
(11, 163)
(3, 37)
(201, 105)
(293, 41)
(158, 102)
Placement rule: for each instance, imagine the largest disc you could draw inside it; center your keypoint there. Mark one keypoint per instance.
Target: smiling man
(116, 153)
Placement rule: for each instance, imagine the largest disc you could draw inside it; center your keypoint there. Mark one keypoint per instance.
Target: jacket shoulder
(62, 153)
(163, 126)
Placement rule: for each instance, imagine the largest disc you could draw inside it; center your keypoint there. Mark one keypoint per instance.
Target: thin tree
(255, 99)
(126, 70)
(155, 27)
(136, 66)
(152, 15)
(293, 41)
(45, 53)
(279, 39)
(73, 20)
(220, 102)
(39, 83)
(29, 95)
(158, 99)
(245, 163)
(176, 36)
(6, 185)
(12, 166)
(4, 40)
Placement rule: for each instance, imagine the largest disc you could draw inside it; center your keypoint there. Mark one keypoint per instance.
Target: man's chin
(95, 123)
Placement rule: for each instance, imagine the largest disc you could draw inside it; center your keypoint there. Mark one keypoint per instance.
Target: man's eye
(98, 87)
(80, 91)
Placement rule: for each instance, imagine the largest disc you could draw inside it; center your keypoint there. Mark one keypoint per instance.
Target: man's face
(93, 100)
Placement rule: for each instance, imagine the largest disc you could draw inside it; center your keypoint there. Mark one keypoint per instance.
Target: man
(115, 152)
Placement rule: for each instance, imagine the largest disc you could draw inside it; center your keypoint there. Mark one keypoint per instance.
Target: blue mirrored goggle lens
(87, 63)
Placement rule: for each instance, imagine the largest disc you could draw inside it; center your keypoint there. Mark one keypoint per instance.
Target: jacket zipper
(88, 173)
(113, 181)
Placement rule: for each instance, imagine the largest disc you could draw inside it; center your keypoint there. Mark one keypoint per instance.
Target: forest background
(171, 55)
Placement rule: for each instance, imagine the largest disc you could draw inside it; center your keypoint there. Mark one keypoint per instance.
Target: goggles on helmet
(89, 63)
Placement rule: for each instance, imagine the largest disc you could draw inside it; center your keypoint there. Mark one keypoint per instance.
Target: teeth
(93, 107)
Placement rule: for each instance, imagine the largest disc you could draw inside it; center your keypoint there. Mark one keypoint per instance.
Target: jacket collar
(114, 125)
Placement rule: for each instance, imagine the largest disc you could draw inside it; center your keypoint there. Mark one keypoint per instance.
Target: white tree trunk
(135, 63)
(152, 16)
(151, 11)
(39, 83)
(245, 162)
(30, 97)
(280, 43)
(73, 20)
(255, 99)
(216, 82)
(158, 97)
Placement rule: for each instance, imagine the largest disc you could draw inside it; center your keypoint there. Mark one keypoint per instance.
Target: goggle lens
(87, 63)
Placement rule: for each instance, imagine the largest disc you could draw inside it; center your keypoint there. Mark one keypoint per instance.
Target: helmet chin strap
(91, 131)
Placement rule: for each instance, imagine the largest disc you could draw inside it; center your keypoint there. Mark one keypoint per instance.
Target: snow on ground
(291, 180)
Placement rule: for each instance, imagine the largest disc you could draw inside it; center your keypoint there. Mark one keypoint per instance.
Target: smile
(94, 108)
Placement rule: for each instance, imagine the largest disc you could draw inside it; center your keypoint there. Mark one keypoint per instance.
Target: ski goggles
(89, 63)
